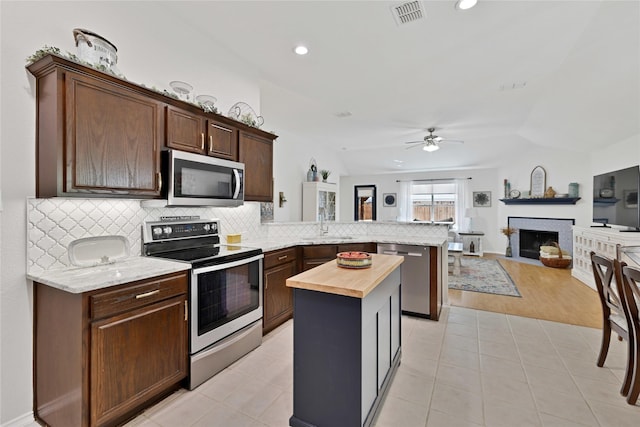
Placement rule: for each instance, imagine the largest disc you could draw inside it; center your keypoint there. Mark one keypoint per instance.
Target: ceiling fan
(431, 142)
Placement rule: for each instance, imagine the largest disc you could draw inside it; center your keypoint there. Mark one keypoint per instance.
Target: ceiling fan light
(430, 147)
(465, 4)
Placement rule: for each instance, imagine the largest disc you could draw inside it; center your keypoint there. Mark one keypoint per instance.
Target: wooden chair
(629, 278)
(613, 316)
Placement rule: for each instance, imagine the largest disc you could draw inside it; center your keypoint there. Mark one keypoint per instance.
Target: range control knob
(167, 230)
(156, 231)
(206, 227)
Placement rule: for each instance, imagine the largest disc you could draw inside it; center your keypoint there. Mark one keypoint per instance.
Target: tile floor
(472, 368)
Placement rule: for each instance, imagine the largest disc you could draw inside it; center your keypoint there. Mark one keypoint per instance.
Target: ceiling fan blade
(414, 146)
(414, 142)
(455, 141)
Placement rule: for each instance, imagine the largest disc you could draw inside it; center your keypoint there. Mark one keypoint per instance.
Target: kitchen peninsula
(346, 341)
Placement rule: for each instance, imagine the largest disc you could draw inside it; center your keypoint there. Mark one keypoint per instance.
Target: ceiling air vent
(408, 12)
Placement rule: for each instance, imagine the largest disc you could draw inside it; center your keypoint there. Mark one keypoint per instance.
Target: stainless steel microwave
(198, 180)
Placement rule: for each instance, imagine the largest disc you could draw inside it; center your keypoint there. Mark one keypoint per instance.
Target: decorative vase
(508, 252)
(310, 176)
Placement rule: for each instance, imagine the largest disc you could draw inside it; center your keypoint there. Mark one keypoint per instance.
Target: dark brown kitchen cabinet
(315, 255)
(99, 135)
(95, 137)
(278, 298)
(103, 356)
(256, 152)
(196, 133)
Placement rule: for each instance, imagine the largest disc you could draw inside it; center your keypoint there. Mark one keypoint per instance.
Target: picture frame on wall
(630, 198)
(482, 199)
(389, 199)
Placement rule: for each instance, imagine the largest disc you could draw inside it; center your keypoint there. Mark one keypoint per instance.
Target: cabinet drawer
(320, 251)
(274, 258)
(136, 295)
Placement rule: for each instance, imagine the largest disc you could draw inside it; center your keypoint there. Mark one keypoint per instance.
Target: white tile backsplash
(52, 224)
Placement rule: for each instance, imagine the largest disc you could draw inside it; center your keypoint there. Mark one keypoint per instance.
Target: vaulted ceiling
(505, 77)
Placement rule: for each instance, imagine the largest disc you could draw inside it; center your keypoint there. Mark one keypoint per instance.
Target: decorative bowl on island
(353, 259)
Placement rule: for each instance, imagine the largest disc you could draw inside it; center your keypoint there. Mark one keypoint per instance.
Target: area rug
(483, 275)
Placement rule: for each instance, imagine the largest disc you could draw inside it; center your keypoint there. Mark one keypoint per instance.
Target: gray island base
(346, 342)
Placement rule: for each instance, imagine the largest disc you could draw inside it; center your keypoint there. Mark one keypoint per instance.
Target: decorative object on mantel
(507, 189)
(514, 194)
(549, 193)
(554, 256)
(574, 189)
(482, 199)
(242, 112)
(508, 231)
(538, 182)
(325, 174)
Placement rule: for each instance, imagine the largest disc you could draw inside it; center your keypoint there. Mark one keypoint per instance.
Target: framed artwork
(482, 199)
(388, 199)
(538, 182)
(630, 198)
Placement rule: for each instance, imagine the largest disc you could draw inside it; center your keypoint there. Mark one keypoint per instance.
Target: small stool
(455, 250)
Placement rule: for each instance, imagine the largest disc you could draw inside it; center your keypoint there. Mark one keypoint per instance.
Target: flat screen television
(615, 198)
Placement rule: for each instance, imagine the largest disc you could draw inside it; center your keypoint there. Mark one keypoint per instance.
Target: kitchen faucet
(324, 229)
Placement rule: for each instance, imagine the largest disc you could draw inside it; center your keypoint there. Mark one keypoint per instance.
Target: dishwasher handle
(417, 254)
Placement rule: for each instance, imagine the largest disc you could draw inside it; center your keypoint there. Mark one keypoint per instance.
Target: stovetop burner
(193, 241)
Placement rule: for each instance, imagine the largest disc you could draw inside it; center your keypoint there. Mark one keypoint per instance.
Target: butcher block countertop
(357, 283)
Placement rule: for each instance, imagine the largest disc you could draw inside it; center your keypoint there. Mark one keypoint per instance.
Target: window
(435, 202)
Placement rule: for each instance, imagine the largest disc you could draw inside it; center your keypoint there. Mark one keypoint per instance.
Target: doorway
(364, 203)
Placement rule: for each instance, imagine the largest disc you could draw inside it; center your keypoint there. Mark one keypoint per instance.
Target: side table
(471, 242)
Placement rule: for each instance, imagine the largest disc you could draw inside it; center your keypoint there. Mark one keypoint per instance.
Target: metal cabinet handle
(186, 310)
(210, 142)
(280, 258)
(159, 181)
(147, 294)
(221, 128)
(202, 141)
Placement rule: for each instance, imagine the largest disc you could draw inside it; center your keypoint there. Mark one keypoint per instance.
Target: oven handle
(227, 265)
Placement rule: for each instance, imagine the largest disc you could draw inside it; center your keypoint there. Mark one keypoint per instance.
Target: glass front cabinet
(319, 201)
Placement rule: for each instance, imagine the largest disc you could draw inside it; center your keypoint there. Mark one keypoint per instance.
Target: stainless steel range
(225, 291)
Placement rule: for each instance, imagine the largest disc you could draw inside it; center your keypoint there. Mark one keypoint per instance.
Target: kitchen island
(346, 341)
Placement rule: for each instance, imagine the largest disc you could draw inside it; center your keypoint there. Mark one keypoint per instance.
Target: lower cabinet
(278, 298)
(103, 356)
(313, 256)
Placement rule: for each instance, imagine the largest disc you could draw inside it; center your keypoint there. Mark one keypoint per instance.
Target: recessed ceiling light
(301, 50)
(465, 4)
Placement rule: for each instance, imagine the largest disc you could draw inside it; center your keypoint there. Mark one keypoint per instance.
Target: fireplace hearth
(531, 240)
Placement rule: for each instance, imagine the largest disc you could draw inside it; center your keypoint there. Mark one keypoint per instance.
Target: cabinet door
(257, 155)
(185, 130)
(112, 139)
(278, 298)
(222, 140)
(136, 355)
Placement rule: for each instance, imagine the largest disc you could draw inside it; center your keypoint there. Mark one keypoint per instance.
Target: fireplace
(531, 240)
(561, 229)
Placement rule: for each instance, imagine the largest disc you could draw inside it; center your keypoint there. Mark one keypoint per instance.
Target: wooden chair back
(629, 278)
(604, 274)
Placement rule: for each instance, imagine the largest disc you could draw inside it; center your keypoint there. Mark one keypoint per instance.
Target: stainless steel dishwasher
(414, 276)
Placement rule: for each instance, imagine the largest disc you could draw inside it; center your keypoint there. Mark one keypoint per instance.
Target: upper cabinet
(99, 135)
(256, 152)
(192, 132)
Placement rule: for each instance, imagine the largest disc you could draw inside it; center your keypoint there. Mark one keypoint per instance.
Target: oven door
(224, 299)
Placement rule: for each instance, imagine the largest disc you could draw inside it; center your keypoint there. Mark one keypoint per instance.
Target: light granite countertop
(83, 279)
(272, 244)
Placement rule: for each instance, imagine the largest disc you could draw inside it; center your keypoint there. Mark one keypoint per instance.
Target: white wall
(152, 59)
